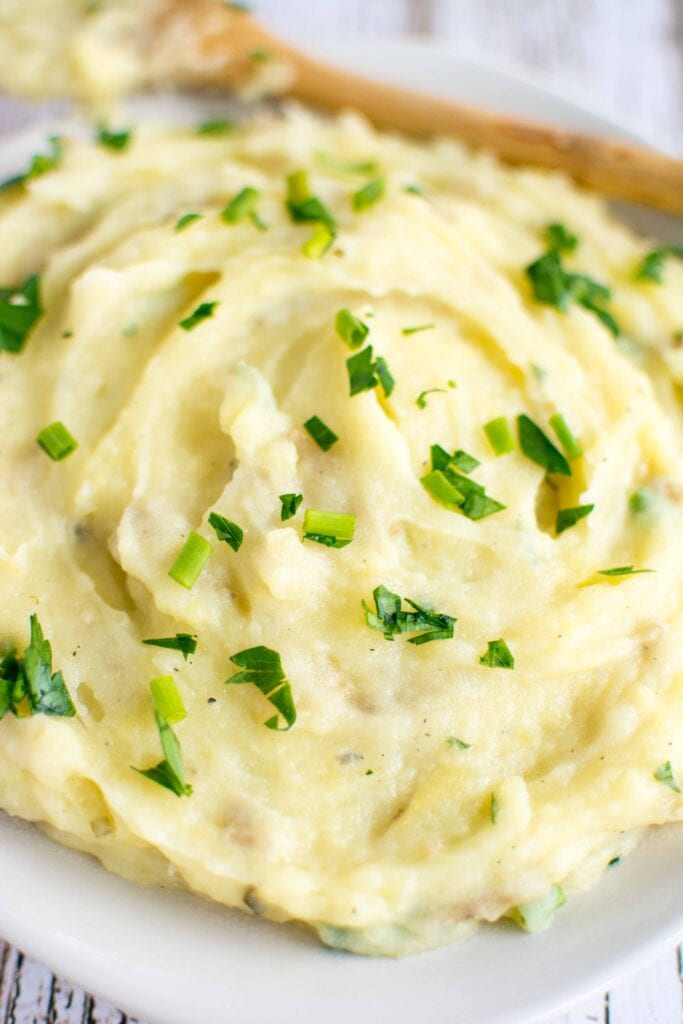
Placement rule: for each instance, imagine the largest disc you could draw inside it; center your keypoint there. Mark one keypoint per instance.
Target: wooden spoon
(210, 43)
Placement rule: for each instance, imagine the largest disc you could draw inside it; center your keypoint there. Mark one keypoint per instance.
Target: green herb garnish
(227, 531)
(40, 164)
(421, 400)
(539, 448)
(494, 808)
(536, 915)
(665, 774)
(333, 163)
(263, 668)
(447, 485)
(167, 699)
(555, 286)
(391, 621)
(241, 206)
(189, 564)
(567, 517)
(461, 460)
(368, 195)
(321, 433)
(20, 311)
(453, 741)
(305, 208)
(57, 442)
(418, 329)
(320, 241)
(572, 447)
(183, 642)
(415, 190)
(560, 238)
(350, 329)
(498, 655)
(290, 505)
(651, 267)
(203, 312)
(366, 373)
(623, 570)
(642, 500)
(333, 529)
(28, 685)
(218, 126)
(168, 773)
(186, 220)
(500, 436)
(118, 141)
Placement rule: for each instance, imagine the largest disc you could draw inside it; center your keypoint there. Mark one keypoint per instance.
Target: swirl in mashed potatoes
(424, 786)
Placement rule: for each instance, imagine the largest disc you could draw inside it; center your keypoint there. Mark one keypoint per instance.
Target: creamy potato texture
(419, 790)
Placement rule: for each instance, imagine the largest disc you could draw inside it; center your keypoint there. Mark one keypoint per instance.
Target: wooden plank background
(625, 57)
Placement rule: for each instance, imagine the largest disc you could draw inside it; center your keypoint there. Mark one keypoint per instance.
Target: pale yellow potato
(362, 820)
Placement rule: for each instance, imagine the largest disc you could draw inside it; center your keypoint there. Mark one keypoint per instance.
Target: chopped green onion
(40, 164)
(536, 915)
(241, 206)
(499, 435)
(366, 373)
(567, 517)
(320, 241)
(642, 500)
(202, 312)
(263, 667)
(188, 566)
(475, 504)
(415, 190)
(539, 448)
(384, 376)
(391, 621)
(623, 570)
(186, 220)
(168, 773)
(305, 208)
(183, 642)
(333, 529)
(665, 774)
(227, 531)
(651, 267)
(572, 447)
(167, 699)
(438, 485)
(321, 433)
(350, 329)
(257, 221)
(555, 286)
(462, 461)
(116, 140)
(418, 329)
(332, 163)
(218, 126)
(290, 505)
(560, 238)
(421, 400)
(453, 741)
(494, 808)
(368, 195)
(20, 311)
(498, 655)
(57, 442)
(613, 862)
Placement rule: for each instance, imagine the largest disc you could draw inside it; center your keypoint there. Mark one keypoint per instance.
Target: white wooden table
(626, 58)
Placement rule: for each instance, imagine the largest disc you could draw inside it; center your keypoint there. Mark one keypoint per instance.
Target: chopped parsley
(572, 447)
(57, 442)
(448, 484)
(536, 915)
(263, 667)
(350, 329)
(203, 312)
(305, 208)
(321, 433)
(366, 373)
(118, 141)
(567, 517)
(320, 241)
(539, 448)
(333, 163)
(623, 570)
(651, 267)
(559, 238)
(555, 286)
(40, 164)
(217, 126)
(407, 331)
(333, 529)
(227, 531)
(391, 621)
(289, 505)
(453, 741)
(20, 311)
(499, 435)
(241, 206)
(368, 195)
(421, 400)
(187, 219)
(189, 564)
(28, 686)
(183, 642)
(665, 774)
(169, 773)
(498, 655)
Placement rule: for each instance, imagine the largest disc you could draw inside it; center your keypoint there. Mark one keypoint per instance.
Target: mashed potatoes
(420, 787)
